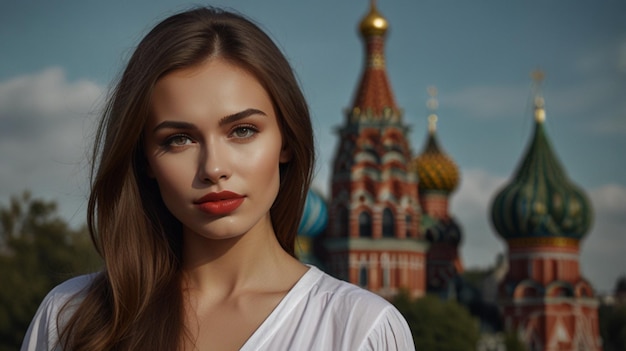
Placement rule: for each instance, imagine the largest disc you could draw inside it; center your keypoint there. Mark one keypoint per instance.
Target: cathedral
(386, 225)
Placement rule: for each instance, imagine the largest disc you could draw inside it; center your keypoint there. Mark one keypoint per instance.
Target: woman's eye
(243, 132)
(178, 140)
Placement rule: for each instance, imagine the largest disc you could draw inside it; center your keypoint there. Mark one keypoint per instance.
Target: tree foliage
(38, 250)
(613, 327)
(438, 325)
(512, 342)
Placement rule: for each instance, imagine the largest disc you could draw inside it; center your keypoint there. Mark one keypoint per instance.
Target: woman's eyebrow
(174, 125)
(240, 115)
(223, 121)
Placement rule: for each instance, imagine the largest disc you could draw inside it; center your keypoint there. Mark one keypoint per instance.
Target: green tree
(513, 343)
(38, 250)
(613, 327)
(438, 325)
(612, 320)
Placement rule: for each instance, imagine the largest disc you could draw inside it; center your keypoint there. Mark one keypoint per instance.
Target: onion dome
(435, 169)
(541, 201)
(373, 23)
(315, 215)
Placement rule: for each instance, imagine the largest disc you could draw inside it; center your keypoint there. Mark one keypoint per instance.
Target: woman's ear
(285, 154)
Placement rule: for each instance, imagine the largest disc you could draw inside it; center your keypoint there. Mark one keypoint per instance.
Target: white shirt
(318, 313)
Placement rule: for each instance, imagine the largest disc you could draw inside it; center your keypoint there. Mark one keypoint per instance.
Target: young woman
(202, 163)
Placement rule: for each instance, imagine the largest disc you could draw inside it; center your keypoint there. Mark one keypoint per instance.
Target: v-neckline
(278, 315)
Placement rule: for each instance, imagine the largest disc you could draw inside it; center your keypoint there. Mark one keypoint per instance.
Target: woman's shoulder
(330, 288)
(42, 333)
(70, 287)
(369, 320)
(67, 292)
(347, 301)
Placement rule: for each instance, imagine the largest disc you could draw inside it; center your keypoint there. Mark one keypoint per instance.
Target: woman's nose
(214, 163)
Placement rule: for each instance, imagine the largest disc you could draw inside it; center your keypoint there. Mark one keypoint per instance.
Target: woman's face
(213, 145)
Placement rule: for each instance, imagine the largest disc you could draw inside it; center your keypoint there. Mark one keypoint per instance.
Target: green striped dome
(540, 200)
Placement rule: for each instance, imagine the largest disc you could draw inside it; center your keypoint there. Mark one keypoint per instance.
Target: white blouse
(318, 313)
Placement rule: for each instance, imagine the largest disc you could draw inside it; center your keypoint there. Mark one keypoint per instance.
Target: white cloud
(602, 251)
(471, 206)
(38, 102)
(609, 199)
(44, 124)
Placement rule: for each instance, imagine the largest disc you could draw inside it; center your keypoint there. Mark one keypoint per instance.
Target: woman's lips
(221, 203)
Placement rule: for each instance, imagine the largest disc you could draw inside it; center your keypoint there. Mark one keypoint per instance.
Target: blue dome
(315, 215)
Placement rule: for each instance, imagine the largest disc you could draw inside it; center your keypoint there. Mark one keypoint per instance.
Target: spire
(432, 105)
(374, 98)
(435, 170)
(540, 112)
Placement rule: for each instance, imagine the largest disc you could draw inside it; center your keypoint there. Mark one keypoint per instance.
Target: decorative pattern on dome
(315, 215)
(435, 169)
(556, 241)
(540, 200)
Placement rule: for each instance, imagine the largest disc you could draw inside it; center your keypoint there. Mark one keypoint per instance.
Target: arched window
(389, 227)
(409, 222)
(365, 225)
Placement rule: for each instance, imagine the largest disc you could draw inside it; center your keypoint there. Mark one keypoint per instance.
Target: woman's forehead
(217, 88)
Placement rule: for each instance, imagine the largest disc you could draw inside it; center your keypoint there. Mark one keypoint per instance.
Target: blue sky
(58, 60)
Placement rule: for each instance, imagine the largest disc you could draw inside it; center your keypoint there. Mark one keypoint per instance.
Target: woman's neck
(223, 268)
(233, 282)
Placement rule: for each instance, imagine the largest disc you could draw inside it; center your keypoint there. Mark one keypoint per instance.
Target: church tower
(543, 217)
(438, 177)
(373, 238)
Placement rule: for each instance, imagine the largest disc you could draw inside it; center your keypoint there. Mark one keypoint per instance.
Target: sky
(59, 59)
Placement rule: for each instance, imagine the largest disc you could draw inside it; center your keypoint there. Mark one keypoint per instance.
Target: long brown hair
(136, 302)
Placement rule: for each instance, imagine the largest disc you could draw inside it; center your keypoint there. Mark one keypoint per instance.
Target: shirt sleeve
(390, 333)
(43, 332)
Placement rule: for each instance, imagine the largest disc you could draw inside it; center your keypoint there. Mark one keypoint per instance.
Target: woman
(204, 156)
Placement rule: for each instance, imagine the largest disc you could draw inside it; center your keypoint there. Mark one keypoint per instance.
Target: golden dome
(435, 169)
(373, 23)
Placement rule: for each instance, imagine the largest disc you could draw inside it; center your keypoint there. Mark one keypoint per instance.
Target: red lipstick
(221, 203)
